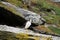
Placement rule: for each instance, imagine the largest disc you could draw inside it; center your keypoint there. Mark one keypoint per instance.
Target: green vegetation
(56, 30)
(15, 2)
(21, 36)
(10, 8)
(55, 19)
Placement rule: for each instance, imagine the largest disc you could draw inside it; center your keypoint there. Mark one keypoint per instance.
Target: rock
(55, 0)
(36, 18)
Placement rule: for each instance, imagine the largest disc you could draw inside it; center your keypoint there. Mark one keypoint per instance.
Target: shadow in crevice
(10, 19)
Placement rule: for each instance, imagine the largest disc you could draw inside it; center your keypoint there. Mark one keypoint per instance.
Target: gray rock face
(55, 0)
(27, 2)
(37, 19)
(55, 38)
(13, 31)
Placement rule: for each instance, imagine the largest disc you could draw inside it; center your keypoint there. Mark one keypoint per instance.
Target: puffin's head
(36, 19)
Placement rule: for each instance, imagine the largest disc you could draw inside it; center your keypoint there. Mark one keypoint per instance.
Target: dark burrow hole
(46, 9)
(10, 19)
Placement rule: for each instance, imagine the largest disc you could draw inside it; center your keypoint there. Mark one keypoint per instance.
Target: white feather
(28, 23)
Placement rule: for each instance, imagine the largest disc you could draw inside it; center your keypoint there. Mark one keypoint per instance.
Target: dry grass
(53, 3)
(43, 28)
